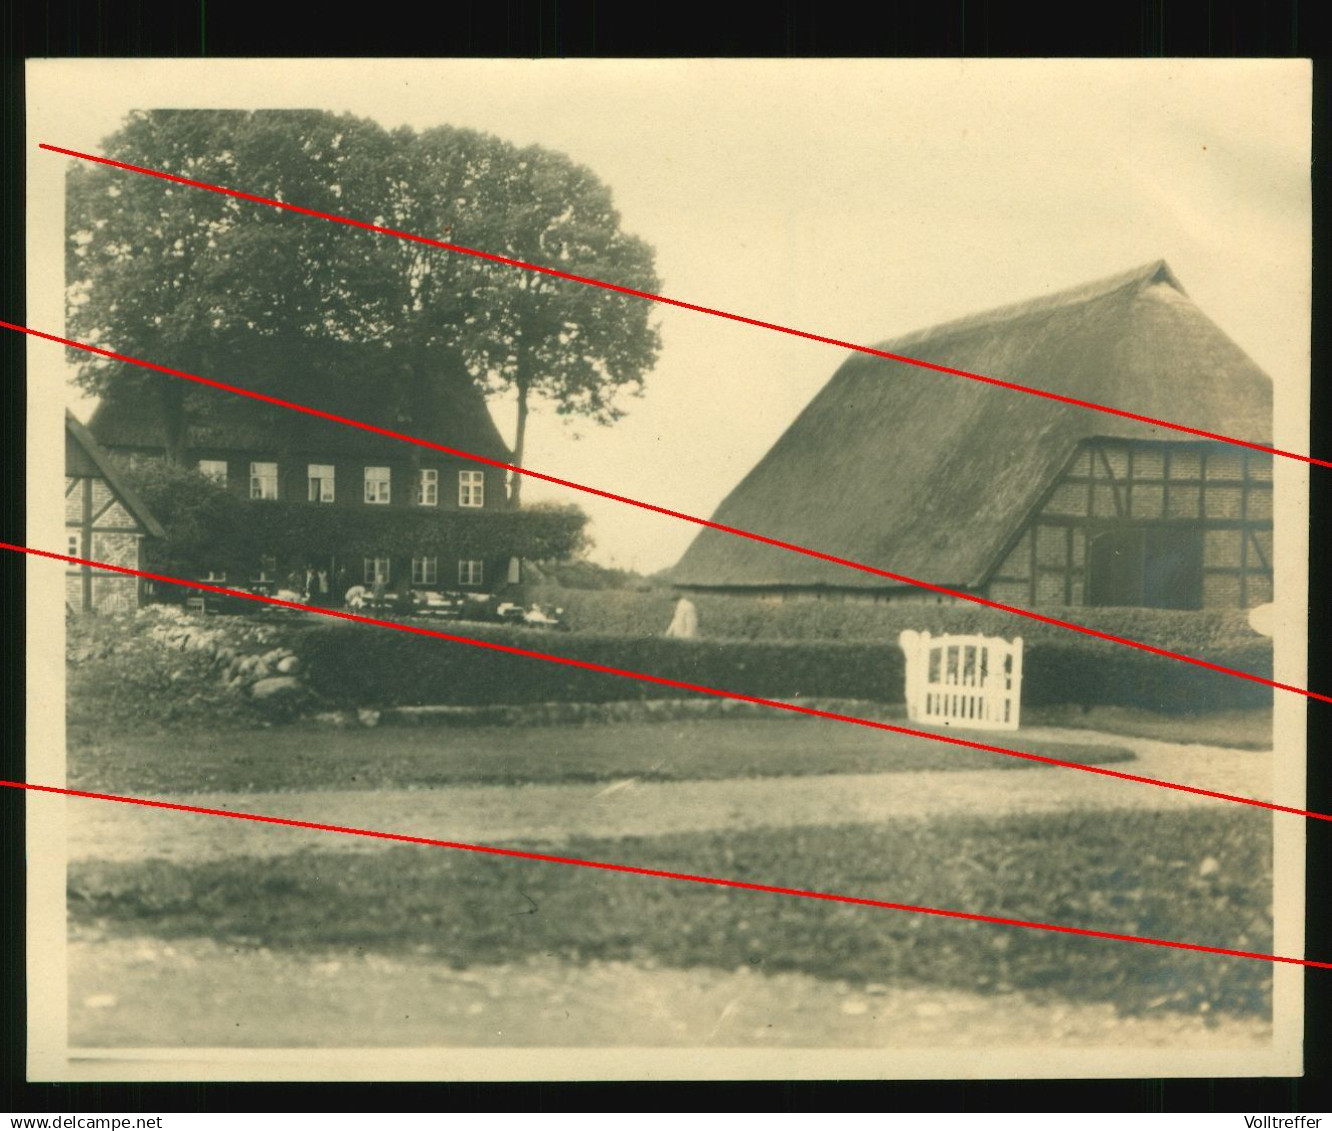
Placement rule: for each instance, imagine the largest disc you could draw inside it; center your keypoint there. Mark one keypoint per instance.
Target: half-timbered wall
(1211, 502)
(100, 528)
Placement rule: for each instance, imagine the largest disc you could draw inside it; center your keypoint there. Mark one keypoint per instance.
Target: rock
(275, 687)
(366, 716)
(289, 665)
(1209, 867)
(341, 719)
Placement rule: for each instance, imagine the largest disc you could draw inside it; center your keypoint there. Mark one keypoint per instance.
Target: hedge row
(359, 665)
(625, 612)
(356, 665)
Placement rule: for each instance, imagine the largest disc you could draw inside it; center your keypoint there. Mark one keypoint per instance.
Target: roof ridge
(1157, 271)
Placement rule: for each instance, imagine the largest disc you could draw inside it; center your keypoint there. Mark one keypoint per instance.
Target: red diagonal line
(662, 874)
(761, 538)
(664, 681)
(602, 284)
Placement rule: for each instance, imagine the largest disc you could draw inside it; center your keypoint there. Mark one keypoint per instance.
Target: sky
(855, 199)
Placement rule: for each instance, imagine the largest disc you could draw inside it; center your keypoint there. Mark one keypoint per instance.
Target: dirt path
(226, 997)
(551, 814)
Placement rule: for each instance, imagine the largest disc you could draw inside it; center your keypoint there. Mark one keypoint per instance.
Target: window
(425, 571)
(376, 569)
(321, 483)
(215, 575)
(263, 481)
(377, 485)
(74, 540)
(471, 488)
(427, 487)
(267, 571)
(469, 572)
(215, 469)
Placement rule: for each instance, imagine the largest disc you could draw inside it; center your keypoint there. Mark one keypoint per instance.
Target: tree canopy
(210, 283)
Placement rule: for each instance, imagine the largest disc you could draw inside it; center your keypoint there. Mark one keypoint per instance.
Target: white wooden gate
(963, 681)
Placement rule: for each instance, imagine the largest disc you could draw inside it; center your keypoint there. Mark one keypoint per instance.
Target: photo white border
(55, 89)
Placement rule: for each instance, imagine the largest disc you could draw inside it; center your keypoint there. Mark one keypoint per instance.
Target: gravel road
(197, 993)
(551, 814)
(227, 997)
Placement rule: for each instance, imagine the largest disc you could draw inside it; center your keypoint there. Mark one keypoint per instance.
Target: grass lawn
(308, 756)
(1197, 875)
(1242, 730)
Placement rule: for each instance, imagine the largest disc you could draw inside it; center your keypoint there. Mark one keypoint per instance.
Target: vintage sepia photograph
(653, 569)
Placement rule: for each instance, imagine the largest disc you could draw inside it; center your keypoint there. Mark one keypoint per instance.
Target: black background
(1144, 28)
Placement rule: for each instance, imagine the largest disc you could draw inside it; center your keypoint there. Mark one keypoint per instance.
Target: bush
(1088, 673)
(297, 530)
(351, 665)
(206, 525)
(358, 665)
(209, 526)
(725, 617)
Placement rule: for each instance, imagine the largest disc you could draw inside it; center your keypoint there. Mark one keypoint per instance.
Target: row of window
(425, 571)
(378, 483)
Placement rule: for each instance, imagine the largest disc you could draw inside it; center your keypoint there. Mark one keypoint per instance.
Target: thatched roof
(349, 380)
(79, 436)
(930, 475)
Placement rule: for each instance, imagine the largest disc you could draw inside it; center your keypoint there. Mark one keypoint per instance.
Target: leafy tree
(195, 279)
(205, 282)
(570, 344)
(207, 526)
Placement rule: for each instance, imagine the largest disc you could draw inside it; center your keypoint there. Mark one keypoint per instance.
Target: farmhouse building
(1014, 497)
(274, 455)
(104, 521)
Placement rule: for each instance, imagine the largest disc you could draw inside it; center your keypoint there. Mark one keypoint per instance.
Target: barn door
(1172, 568)
(1115, 560)
(1147, 567)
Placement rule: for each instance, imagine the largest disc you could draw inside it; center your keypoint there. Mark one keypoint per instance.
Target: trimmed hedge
(357, 665)
(724, 617)
(360, 665)
(1088, 673)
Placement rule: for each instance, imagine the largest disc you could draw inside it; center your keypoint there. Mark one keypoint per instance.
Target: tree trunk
(520, 438)
(171, 404)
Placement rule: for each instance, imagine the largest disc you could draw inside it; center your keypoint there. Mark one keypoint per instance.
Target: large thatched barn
(1014, 497)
